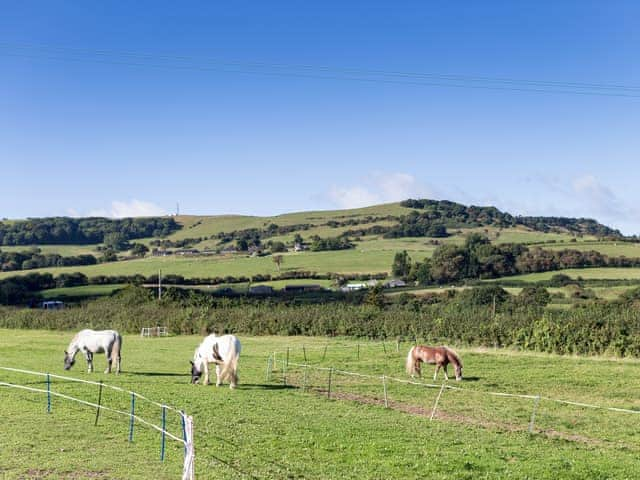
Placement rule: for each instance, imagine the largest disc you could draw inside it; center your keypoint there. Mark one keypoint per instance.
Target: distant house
(299, 247)
(351, 287)
(395, 283)
(187, 251)
(52, 305)
(261, 290)
(254, 250)
(229, 249)
(302, 288)
(160, 253)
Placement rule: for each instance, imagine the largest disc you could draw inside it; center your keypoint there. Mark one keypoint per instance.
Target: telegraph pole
(159, 284)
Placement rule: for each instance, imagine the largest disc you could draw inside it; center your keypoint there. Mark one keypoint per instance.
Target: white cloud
(378, 188)
(133, 208)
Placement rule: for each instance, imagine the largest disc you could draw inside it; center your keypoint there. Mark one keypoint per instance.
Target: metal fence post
(164, 426)
(357, 351)
(536, 401)
(48, 393)
(384, 346)
(304, 352)
(304, 379)
(384, 386)
(324, 354)
(287, 356)
(329, 389)
(284, 373)
(99, 404)
(269, 363)
(131, 418)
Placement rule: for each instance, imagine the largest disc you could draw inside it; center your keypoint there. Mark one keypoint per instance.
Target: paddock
(267, 428)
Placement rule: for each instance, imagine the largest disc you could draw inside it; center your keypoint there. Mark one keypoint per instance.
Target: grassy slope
(263, 430)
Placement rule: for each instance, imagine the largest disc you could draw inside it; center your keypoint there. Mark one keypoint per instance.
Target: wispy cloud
(378, 188)
(123, 209)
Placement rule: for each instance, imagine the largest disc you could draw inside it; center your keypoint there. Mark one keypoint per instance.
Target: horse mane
(456, 357)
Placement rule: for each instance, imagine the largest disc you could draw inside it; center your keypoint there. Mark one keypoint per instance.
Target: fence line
(186, 420)
(91, 382)
(451, 387)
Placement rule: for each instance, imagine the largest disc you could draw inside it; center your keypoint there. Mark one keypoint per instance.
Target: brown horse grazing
(440, 356)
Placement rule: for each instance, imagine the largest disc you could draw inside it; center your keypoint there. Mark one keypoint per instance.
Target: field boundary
(300, 373)
(186, 420)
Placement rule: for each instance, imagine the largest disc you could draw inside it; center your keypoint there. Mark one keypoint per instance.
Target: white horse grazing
(224, 351)
(89, 342)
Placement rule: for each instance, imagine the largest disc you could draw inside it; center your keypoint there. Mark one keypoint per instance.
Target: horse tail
(231, 365)
(410, 364)
(456, 357)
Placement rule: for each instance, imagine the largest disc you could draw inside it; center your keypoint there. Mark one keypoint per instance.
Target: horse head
(458, 368)
(69, 360)
(195, 373)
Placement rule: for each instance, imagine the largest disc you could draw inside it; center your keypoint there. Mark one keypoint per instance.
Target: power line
(112, 57)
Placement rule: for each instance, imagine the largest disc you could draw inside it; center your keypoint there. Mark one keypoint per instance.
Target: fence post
(329, 389)
(48, 393)
(287, 356)
(304, 379)
(304, 352)
(184, 430)
(189, 467)
(435, 405)
(269, 360)
(164, 425)
(384, 386)
(398, 345)
(533, 413)
(99, 404)
(284, 373)
(357, 351)
(131, 419)
(384, 346)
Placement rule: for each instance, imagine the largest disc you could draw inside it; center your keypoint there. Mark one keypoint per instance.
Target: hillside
(320, 245)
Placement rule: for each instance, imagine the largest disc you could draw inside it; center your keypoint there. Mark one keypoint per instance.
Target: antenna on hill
(177, 208)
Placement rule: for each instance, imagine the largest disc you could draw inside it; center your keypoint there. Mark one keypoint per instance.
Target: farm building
(301, 288)
(394, 283)
(261, 290)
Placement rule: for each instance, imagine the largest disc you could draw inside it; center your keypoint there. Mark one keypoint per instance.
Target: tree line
(30, 259)
(480, 259)
(91, 230)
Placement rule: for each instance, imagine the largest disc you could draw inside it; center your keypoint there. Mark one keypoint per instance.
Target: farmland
(271, 430)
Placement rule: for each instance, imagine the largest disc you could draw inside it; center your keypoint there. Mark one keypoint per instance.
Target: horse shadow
(264, 386)
(159, 374)
(471, 379)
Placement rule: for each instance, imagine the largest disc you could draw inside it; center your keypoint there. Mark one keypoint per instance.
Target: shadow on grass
(470, 379)
(264, 386)
(159, 374)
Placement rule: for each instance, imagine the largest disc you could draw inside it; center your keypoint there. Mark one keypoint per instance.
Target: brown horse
(440, 356)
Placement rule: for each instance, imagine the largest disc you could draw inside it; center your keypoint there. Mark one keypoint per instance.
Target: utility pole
(159, 284)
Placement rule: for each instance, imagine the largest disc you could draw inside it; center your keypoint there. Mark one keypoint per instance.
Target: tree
(375, 296)
(277, 247)
(116, 241)
(298, 239)
(401, 264)
(278, 259)
(139, 249)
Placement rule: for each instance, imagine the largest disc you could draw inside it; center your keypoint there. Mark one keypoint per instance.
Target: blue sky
(125, 108)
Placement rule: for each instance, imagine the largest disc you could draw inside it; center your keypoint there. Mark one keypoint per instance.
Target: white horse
(224, 351)
(89, 342)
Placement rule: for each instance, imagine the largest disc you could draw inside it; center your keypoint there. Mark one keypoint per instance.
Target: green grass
(268, 430)
(64, 250)
(343, 261)
(612, 249)
(599, 273)
(80, 292)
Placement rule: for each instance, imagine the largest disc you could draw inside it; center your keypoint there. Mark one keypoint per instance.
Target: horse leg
(205, 380)
(446, 377)
(118, 363)
(435, 375)
(218, 378)
(89, 357)
(108, 369)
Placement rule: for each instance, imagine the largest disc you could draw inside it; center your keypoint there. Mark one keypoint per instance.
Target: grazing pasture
(271, 429)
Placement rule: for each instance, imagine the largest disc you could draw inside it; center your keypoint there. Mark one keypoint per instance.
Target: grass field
(64, 250)
(612, 249)
(586, 273)
(271, 430)
(80, 292)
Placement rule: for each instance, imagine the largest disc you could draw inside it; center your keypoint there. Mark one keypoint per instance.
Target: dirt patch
(454, 417)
